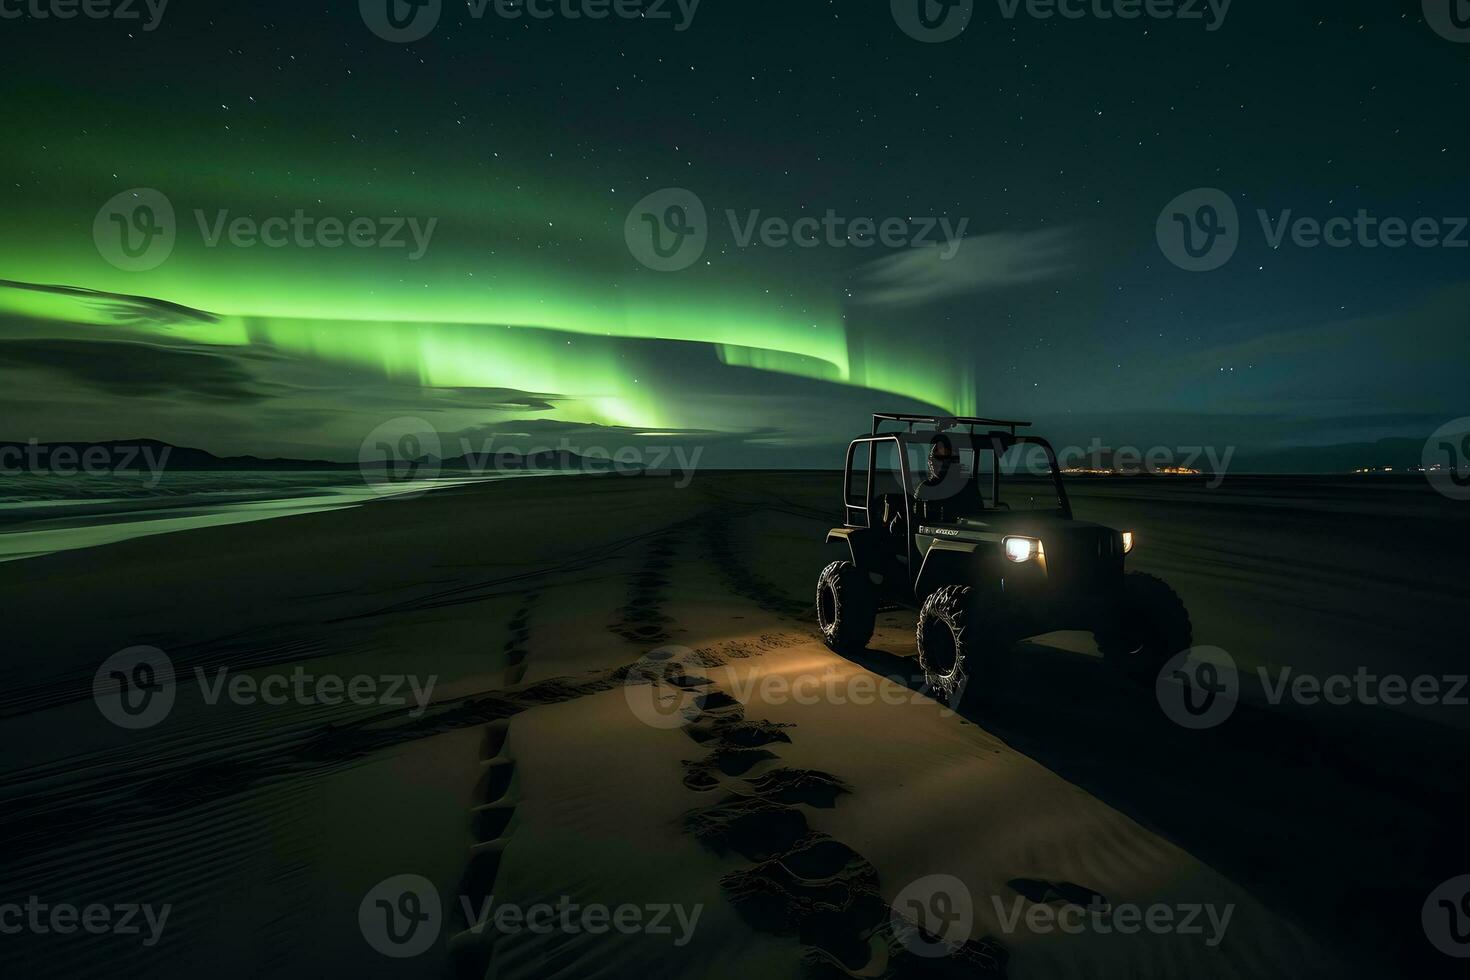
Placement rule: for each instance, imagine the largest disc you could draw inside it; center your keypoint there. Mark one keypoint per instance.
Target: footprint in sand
(489, 823)
(803, 883)
(1043, 892)
(516, 650)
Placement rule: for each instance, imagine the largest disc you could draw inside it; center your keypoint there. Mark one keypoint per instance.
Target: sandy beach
(602, 702)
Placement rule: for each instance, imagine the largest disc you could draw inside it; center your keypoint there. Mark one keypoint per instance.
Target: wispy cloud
(982, 262)
(137, 370)
(121, 307)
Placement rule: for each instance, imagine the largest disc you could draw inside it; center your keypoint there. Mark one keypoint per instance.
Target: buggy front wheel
(847, 608)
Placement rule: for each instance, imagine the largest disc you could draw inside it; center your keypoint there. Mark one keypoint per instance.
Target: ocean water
(42, 513)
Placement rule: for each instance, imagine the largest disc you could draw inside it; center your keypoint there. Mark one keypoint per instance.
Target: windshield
(1004, 473)
(1027, 479)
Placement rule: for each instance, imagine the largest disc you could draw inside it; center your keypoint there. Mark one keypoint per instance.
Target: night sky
(528, 142)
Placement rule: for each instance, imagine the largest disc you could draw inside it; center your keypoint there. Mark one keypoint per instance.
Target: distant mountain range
(137, 454)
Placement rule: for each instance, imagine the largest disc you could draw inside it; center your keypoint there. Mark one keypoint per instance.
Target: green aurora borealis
(533, 290)
(528, 143)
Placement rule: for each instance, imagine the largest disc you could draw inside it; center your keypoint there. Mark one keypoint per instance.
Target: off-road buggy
(1012, 564)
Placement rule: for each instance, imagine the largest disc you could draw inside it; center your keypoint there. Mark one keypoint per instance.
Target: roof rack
(943, 422)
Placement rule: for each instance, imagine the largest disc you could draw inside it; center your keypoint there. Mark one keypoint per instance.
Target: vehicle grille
(1084, 558)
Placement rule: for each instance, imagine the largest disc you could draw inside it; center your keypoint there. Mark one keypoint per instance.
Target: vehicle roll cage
(943, 423)
(1000, 441)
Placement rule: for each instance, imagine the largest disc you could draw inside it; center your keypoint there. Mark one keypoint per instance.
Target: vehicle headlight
(1127, 542)
(1022, 549)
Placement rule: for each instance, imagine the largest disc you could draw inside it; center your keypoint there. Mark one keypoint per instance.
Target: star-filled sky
(507, 158)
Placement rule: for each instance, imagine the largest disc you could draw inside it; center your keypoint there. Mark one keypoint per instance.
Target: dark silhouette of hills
(1403, 454)
(135, 454)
